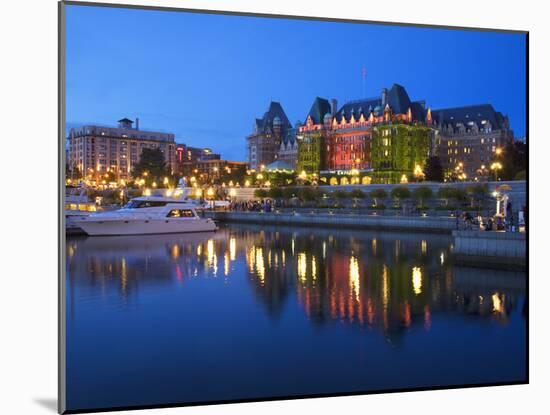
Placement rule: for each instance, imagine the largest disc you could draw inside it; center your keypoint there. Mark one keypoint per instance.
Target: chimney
(137, 123)
(334, 106)
(384, 97)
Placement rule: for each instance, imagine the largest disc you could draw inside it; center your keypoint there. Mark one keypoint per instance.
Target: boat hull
(146, 226)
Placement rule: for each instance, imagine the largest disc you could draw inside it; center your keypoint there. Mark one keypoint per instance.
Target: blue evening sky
(206, 77)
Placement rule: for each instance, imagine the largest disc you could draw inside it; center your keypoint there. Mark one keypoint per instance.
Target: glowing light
(417, 280)
(232, 249)
(211, 256)
(226, 264)
(147, 192)
(232, 192)
(175, 251)
(498, 304)
(260, 266)
(354, 277)
(302, 267)
(404, 179)
(424, 246)
(418, 173)
(314, 268)
(385, 287)
(303, 175)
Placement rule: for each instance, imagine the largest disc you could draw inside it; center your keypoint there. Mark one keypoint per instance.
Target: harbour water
(251, 312)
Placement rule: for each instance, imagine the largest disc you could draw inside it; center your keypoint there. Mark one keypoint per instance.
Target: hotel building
(354, 144)
(265, 141)
(465, 138)
(96, 149)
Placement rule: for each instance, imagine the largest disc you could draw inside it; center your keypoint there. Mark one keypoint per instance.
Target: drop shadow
(48, 403)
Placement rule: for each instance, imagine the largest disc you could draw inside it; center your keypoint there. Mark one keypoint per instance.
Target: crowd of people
(465, 220)
(252, 206)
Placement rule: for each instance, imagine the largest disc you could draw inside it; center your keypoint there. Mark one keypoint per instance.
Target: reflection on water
(335, 292)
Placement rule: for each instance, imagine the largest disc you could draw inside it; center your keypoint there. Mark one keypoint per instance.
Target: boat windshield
(137, 204)
(132, 204)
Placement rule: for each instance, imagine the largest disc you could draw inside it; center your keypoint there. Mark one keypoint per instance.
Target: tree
(377, 194)
(289, 192)
(422, 193)
(152, 165)
(260, 193)
(307, 194)
(275, 193)
(446, 193)
(356, 194)
(400, 193)
(340, 194)
(477, 193)
(433, 170)
(512, 158)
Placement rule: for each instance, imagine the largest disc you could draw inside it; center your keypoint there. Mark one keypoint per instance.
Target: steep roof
(397, 98)
(357, 107)
(266, 122)
(319, 108)
(290, 136)
(475, 113)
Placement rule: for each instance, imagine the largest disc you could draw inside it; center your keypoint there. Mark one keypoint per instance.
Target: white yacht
(77, 206)
(147, 215)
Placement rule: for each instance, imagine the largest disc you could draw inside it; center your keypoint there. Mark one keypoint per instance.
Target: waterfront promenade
(475, 247)
(340, 220)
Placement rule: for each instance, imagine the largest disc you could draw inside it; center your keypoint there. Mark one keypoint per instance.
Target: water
(250, 312)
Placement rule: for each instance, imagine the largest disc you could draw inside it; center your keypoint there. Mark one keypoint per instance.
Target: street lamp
(496, 166)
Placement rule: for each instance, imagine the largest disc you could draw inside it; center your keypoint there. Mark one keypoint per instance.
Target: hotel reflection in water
(387, 282)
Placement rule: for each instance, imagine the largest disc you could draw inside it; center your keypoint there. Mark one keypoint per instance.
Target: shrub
(307, 194)
(476, 193)
(422, 193)
(357, 194)
(260, 193)
(275, 193)
(447, 193)
(340, 194)
(289, 192)
(521, 175)
(399, 193)
(378, 194)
